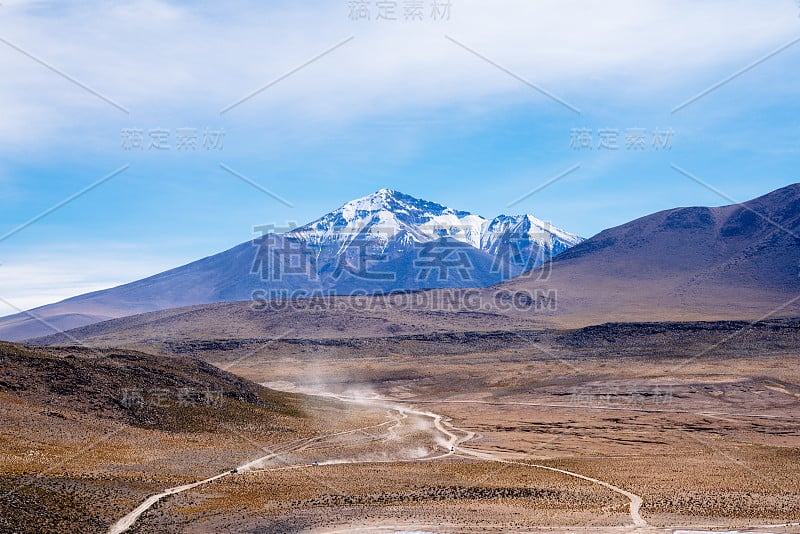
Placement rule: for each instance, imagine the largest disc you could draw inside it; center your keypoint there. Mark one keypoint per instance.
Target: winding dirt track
(635, 500)
(128, 521)
(455, 445)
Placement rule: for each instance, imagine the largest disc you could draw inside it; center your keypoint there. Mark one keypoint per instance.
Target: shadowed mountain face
(384, 242)
(740, 259)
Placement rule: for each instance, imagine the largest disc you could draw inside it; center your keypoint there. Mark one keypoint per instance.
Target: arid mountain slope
(738, 261)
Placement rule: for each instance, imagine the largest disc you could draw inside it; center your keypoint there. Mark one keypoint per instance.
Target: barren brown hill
(733, 262)
(87, 433)
(139, 389)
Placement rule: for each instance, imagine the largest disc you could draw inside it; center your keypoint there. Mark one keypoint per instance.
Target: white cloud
(170, 61)
(30, 279)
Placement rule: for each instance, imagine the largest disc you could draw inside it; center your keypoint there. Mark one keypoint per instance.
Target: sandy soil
(700, 422)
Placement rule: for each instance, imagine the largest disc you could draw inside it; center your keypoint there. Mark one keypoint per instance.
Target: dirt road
(454, 440)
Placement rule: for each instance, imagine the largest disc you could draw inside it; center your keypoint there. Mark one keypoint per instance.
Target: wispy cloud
(170, 59)
(33, 278)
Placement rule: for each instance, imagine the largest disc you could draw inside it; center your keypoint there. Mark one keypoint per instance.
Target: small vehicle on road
(234, 470)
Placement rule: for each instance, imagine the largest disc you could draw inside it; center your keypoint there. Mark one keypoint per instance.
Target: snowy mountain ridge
(389, 215)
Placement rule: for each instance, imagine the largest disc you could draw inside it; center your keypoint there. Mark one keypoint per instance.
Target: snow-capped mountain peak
(388, 214)
(408, 209)
(388, 217)
(381, 216)
(526, 228)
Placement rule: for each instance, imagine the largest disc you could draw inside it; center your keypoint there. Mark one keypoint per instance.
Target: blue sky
(397, 104)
